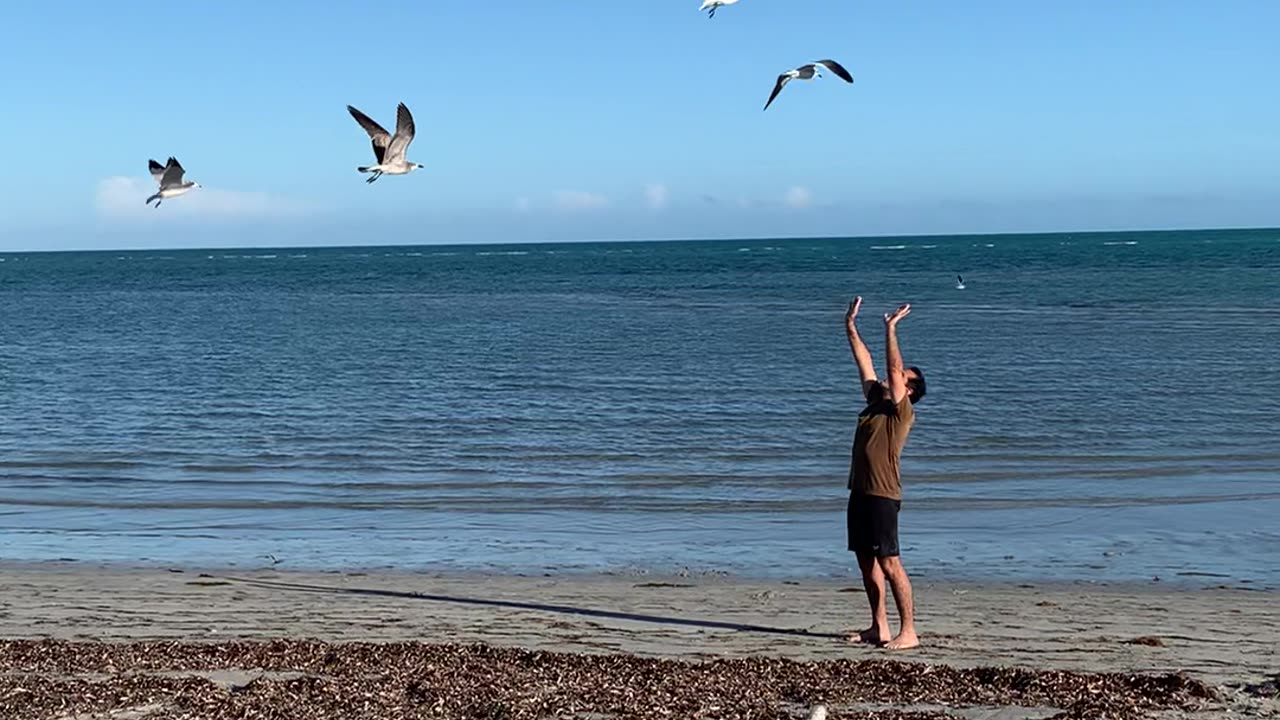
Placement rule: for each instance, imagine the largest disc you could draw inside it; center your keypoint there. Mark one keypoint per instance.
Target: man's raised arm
(893, 357)
(861, 355)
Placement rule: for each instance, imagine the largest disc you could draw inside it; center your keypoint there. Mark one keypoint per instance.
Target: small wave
(70, 464)
(888, 247)
(928, 247)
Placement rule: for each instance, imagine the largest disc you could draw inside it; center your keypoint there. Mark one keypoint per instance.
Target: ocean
(1101, 407)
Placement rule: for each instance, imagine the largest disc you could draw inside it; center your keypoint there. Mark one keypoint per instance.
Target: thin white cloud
(799, 197)
(656, 194)
(579, 200)
(122, 197)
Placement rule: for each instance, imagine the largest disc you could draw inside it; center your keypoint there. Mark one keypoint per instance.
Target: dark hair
(915, 385)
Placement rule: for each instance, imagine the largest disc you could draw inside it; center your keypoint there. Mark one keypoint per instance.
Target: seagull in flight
(808, 72)
(388, 149)
(169, 178)
(713, 4)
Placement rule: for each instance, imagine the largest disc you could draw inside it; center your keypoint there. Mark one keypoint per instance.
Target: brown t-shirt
(882, 432)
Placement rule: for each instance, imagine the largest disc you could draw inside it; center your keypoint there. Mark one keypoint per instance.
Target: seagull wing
(707, 4)
(783, 79)
(172, 174)
(378, 134)
(157, 170)
(404, 134)
(838, 69)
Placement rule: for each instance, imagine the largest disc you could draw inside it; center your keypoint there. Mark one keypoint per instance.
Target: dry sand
(1227, 638)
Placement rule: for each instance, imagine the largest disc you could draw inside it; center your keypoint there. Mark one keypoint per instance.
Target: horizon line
(648, 241)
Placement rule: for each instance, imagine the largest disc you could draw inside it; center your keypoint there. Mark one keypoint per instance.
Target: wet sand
(1227, 639)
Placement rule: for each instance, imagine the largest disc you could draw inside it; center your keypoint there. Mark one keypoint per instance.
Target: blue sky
(559, 120)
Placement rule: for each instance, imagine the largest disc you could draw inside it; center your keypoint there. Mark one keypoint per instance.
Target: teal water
(1101, 406)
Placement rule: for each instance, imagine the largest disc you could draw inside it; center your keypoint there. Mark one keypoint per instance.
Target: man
(875, 483)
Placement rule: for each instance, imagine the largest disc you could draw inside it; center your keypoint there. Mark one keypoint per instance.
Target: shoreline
(1180, 582)
(155, 644)
(1066, 627)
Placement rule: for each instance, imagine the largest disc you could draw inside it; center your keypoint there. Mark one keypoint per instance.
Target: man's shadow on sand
(539, 607)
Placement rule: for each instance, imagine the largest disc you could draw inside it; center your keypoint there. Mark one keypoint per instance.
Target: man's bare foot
(905, 641)
(870, 636)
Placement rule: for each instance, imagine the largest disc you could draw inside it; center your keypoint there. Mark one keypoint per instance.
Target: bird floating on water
(711, 5)
(169, 178)
(959, 283)
(388, 149)
(808, 72)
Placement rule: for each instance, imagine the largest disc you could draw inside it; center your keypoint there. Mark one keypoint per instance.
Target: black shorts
(873, 525)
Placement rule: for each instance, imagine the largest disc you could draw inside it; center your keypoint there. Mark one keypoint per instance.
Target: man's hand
(851, 315)
(861, 356)
(892, 319)
(893, 357)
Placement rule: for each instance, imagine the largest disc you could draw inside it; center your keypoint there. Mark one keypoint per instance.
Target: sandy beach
(1224, 638)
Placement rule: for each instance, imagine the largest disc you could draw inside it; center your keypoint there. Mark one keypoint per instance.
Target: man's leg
(858, 520)
(873, 582)
(901, 585)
